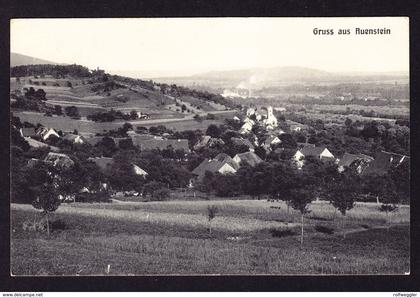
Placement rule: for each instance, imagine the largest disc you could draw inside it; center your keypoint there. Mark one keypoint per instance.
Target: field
(172, 237)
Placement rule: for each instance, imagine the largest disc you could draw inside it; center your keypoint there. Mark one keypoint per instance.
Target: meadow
(172, 237)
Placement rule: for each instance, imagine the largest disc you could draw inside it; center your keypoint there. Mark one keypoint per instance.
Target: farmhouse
(46, 133)
(208, 141)
(319, 152)
(57, 159)
(271, 140)
(105, 164)
(384, 161)
(75, 138)
(250, 158)
(176, 144)
(27, 132)
(38, 144)
(241, 141)
(213, 166)
(247, 127)
(358, 162)
(139, 171)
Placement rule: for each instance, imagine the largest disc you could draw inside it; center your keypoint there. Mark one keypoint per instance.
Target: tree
(133, 115)
(160, 194)
(343, 192)
(107, 146)
(47, 199)
(72, 111)
(183, 107)
(211, 214)
(126, 144)
(58, 110)
(213, 131)
(384, 188)
(300, 198)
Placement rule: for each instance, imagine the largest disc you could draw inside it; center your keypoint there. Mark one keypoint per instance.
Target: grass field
(84, 126)
(248, 237)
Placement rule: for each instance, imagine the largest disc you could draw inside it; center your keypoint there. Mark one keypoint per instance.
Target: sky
(156, 47)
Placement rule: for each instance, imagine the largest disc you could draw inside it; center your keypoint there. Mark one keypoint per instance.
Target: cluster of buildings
(265, 117)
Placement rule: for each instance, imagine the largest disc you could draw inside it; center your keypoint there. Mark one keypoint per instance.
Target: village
(257, 136)
(188, 146)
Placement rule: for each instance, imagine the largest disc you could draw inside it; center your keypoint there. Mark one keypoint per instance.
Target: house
(208, 141)
(38, 144)
(46, 133)
(58, 159)
(215, 166)
(32, 162)
(271, 140)
(176, 144)
(319, 152)
(94, 140)
(224, 158)
(75, 138)
(27, 132)
(243, 142)
(359, 162)
(139, 171)
(246, 127)
(103, 163)
(271, 120)
(250, 158)
(384, 161)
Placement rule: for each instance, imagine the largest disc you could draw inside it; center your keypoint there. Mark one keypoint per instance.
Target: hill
(256, 78)
(19, 59)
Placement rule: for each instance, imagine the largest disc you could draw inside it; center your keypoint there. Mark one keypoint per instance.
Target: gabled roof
(384, 161)
(73, 137)
(268, 141)
(249, 157)
(139, 171)
(312, 151)
(348, 159)
(208, 141)
(176, 144)
(224, 158)
(28, 132)
(58, 159)
(242, 141)
(37, 144)
(94, 140)
(138, 139)
(202, 142)
(209, 165)
(102, 162)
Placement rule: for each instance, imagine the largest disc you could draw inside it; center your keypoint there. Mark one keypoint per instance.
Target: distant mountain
(272, 77)
(19, 59)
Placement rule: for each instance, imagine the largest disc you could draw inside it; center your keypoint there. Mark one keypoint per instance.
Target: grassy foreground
(249, 237)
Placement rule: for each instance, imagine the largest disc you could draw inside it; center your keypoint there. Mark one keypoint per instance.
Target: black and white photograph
(209, 146)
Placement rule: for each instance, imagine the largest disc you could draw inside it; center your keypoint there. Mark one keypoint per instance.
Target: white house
(321, 153)
(47, 132)
(139, 171)
(246, 128)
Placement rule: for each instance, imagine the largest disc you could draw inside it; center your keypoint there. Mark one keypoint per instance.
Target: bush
(324, 229)
(281, 232)
(58, 225)
(92, 197)
(160, 194)
(34, 225)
